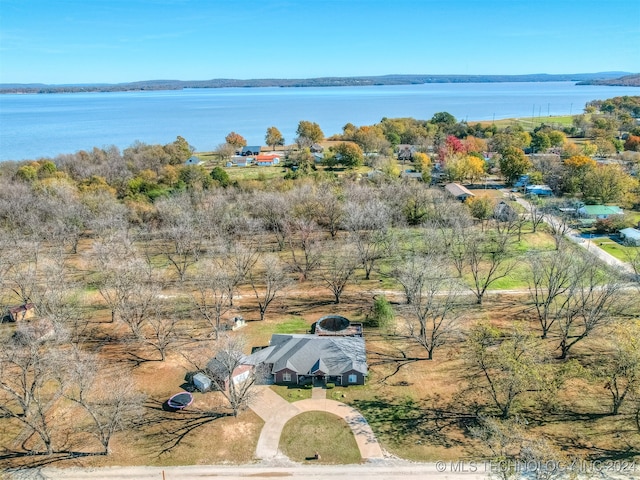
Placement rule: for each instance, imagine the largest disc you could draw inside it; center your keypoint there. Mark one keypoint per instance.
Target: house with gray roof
(630, 236)
(300, 358)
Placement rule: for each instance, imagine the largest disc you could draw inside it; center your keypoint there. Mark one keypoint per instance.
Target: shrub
(382, 312)
(329, 386)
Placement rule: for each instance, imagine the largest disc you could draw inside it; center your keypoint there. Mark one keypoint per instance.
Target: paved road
(404, 471)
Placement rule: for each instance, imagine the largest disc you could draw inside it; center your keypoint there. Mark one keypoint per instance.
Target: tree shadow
(172, 425)
(19, 460)
(401, 420)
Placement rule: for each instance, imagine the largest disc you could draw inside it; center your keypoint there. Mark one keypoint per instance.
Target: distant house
(405, 152)
(458, 192)
(630, 236)
(19, 312)
(540, 190)
(375, 174)
(239, 161)
(505, 212)
(316, 148)
(250, 150)
(266, 160)
(599, 211)
(301, 358)
(412, 174)
(193, 161)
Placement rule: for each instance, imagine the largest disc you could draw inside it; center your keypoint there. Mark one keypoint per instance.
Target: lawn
(292, 393)
(621, 252)
(320, 432)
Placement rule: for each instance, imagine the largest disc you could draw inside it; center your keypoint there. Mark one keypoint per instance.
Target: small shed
(630, 236)
(201, 382)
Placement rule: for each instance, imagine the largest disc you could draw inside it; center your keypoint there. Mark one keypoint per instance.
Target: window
(286, 377)
(353, 378)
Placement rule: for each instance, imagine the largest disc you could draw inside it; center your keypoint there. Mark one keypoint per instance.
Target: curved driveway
(276, 412)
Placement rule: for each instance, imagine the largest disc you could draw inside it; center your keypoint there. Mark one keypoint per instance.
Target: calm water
(33, 126)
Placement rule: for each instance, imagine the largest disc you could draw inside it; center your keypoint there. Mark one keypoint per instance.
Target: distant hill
(625, 81)
(582, 78)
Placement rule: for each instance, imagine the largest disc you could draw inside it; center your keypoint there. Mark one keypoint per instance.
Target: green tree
(382, 313)
(273, 137)
(443, 118)
(218, 174)
(607, 184)
(178, 151)
(236, 140)
(513, 164)
(540, 141)
(310, 131)
(349, 155)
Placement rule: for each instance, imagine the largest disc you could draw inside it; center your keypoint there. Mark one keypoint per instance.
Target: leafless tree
(211, 293)
(237, 258)
(160, 333)
(270, 282)
(182, 233)
(552, 275)
(454, 238)
(621, 369)
(559, 227)
(594, 300)
(368, 225)
(536, 216)
(142, 300)
(274, 211)
(337, 268)
(109, 399)
(30, 385)
(232, 375)
(304, 244)
(632, 257)
(432, 314)
(488, 260)
(506, 368)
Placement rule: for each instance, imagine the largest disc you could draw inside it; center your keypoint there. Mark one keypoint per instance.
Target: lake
(45, 125)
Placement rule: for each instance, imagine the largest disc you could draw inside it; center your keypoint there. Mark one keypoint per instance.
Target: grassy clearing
(320, 432)
(254, 173)
(529, 123)
(292, 393)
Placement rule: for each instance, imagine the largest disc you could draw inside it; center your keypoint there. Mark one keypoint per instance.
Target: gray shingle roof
(306, 354)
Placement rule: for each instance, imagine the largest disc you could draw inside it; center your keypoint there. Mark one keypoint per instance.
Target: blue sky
(94, 41)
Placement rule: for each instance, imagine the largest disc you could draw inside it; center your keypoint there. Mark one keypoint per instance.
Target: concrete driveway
(276, 412)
